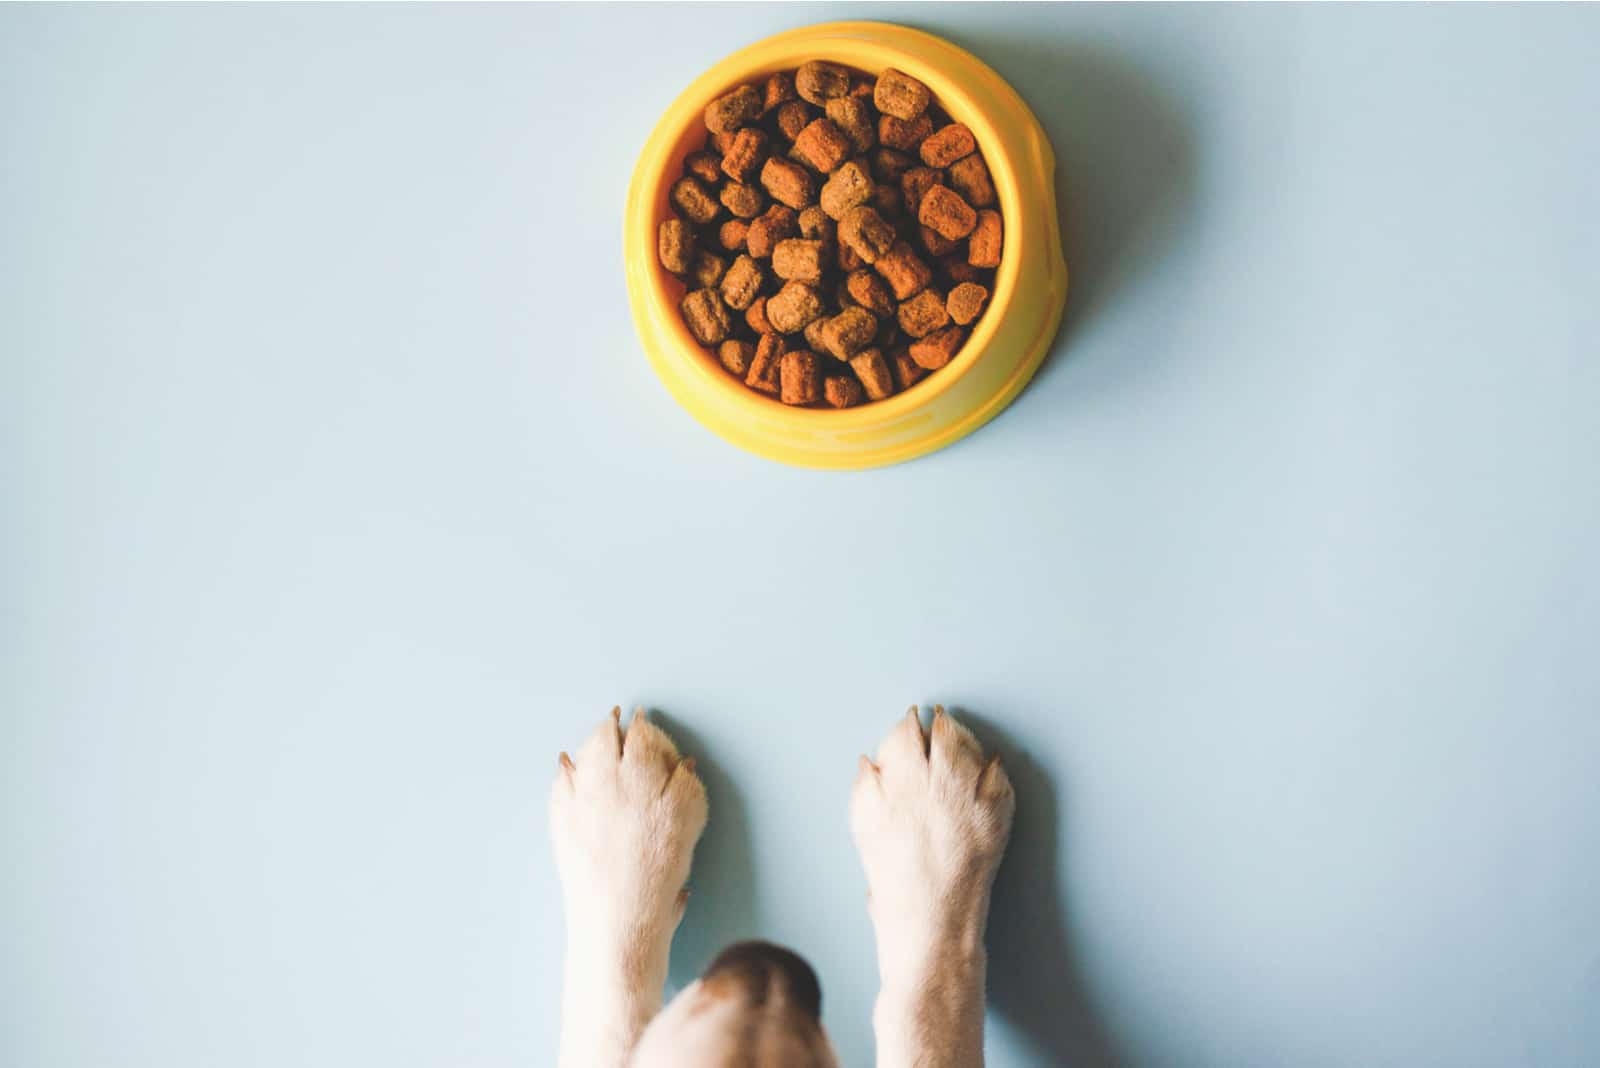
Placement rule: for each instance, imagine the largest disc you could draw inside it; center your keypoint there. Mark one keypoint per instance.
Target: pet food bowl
(1007, 342)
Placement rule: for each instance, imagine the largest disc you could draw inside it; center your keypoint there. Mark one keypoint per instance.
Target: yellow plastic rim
(1007, 343)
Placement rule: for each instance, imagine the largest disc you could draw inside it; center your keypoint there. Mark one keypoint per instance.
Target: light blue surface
(339, 498)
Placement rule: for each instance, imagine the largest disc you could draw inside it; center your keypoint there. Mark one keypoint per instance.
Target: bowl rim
(660, 165)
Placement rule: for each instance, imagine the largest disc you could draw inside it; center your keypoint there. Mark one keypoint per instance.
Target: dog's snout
(760, 972)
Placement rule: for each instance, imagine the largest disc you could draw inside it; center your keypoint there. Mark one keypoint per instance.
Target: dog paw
(624, 819)
(931, 818)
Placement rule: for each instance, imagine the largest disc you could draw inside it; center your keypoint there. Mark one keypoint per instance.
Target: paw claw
(567, 765)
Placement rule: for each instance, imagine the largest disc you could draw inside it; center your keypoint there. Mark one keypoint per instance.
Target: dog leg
(624, 819)
(931, 820)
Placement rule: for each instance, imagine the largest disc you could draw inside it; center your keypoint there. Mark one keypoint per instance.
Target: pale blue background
(339, 498)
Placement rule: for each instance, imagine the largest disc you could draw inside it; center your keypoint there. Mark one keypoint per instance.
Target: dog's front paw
(931, 819)
(625, 817)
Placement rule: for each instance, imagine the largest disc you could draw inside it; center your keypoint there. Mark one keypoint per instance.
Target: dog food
(837, 236)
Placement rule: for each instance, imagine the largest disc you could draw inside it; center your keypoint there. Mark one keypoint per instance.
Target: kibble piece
(727, 113)
(675, 245)
(842, 391)
(691, 198)
(923, 313)
(707, 270)
(965, 302)
(845, 188)
(789, 183)
(935, 242)
(815, 224)
(984, 248)
(795, 305)
(869, 291)
(943, 210)
(900, 95)
(763, 373)
(732, 233)
(756, 317)
(870, 366)
(819, 82)
(958, 269)
(796, 259)
(706, 317)
(706, 166)
(849, 332)
(744, 201)
(904, 272)
(797, 375)
(864, 230)
(719, 143)
(736, 356)
(970, 178)
(779, 89)
(902, 134)
(813, 335)
(742, 283)
(794, 116)
(948, 145)
(855, 117)
(887, 200)
(822, 146)
(889, 164)
(849, 259)
(777, 223)
(907, 373)
(935, 350)
(745, 155)
(915, 184)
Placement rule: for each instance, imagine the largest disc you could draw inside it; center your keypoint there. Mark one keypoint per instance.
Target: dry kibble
(836, 236)
(904, 272)
(794, 116)
(923, 313)
(736, 356)
(845, 188)
(970, 178)
(675, 245)
(731, 234)
(728, 113)
(797, 373)
(842, 391)
(943, 210)
(756, 317)
(745, 155)
(849, 332)
(815, 224)
(763, 373)
(788, 183)
(744, 201)
(854, 117)
(864, 230)
(902, 134)
(706, 166)
(873, 371)
(983, 250)
(870, 291)
(900, 95)
(798, 260)
(742, 283)
(707, 270)
(707, 317)
(822, 146)
(935, 350)
(775, 224)
(948, 145)
(795, 305)
(819, 81)
(965, 302)
(691, 198)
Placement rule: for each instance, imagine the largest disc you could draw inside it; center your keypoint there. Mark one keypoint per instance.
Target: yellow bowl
(1007, 343)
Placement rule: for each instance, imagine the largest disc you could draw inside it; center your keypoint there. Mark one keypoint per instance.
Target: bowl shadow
(722, 888)
(1034, 980)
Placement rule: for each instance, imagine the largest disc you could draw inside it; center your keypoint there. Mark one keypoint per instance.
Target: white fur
(930, 819)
